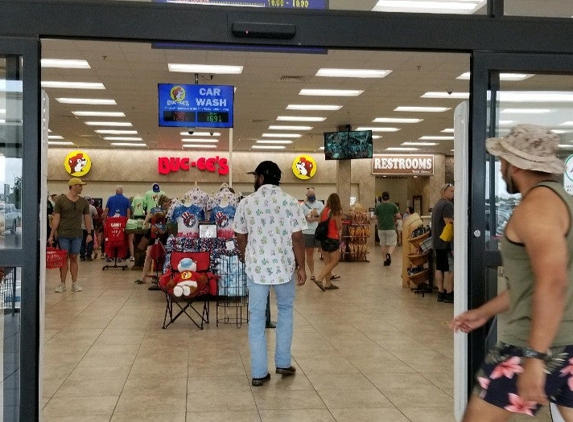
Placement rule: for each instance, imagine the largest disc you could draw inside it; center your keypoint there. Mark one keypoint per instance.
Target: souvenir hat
(75, 181)
(270, 170)
(156, 188)
(528, 147)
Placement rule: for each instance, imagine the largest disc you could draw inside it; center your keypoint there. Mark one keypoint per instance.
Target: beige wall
(136, 171)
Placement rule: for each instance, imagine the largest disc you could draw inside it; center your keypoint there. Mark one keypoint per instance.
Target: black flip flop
(335, 277)
(319, 284)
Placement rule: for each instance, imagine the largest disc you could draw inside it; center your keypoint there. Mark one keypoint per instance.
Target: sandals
(335, 277)
(319, 284)
(138, 281)
(312, 278)
(331, 287)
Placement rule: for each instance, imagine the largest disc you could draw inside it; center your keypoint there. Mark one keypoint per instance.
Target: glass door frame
(27, 257)
(485, 67)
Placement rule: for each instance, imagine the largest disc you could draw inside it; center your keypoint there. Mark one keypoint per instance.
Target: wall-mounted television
(348, 145)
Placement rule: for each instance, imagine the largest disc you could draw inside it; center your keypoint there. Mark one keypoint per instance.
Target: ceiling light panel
(402, 149)
(268, 147)
(116, 132)
(282, 135)
(447, 95)
(201, 140)
(415, 109)
(420, 144)
(300, 119)
(122, 138)
(331, 92)
(515, 77)
(98, 113)
(378, 129)
(525, 110)
(313, 107)
(86, 101)
(62, 143)
(273, 141)
(352, 73)
(205, 68)
(436, 138)
(395, 120)
(72, 85)
(128, 144)
(65, 64)
(113, 124)
(281, 127)
(201, 146)
(200, 133)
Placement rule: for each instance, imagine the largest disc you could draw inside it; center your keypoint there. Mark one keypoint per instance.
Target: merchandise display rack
(355, 237)
(232, 295)
(417, 256)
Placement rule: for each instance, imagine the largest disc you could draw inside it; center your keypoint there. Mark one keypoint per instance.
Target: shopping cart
(115, 241)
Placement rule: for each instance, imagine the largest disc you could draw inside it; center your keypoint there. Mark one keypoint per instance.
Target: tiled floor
(370, 351)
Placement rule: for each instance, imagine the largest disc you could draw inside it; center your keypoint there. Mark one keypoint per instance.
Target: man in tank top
(532, 364)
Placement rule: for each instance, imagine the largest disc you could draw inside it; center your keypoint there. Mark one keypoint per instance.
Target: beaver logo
(304, 167)
(77, 163)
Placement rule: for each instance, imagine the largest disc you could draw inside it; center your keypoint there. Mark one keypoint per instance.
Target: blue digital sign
(209, 106)
(278, 4)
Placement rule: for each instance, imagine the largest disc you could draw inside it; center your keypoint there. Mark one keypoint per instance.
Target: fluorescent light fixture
(279, 127)
(395, 120)
(123, 124)
(448, 130)
(313, 107)
(88, 101)
(567, 123)
(379, 129)
(122, 138)
(116, 132)
(55, 137)
(65, 63)
(205, 68)
(566, 146)
(98, 113)
(560, 131)
(282, 135)
(273, 141)
(502, 76)
(436, 138)
(200, 133)
(60, 143)
(536, 96)
(268, 147)
(526, 110)
(447, 95)
(420, 144)
(201, 140)
(402, 149)
(202, 146)
(376, 136)
(331, 92)
(300, 119)
(128, 144)
(72, 85)
(425, 6)
(352, 73)
(422, 109)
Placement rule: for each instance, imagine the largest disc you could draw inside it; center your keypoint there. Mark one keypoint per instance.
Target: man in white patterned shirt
(269, 225)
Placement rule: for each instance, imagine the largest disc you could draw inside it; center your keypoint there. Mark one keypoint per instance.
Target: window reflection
(11, 137)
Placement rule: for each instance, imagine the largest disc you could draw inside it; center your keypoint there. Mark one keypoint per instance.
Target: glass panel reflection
(10, 285)
(540, 99)
(11, 137)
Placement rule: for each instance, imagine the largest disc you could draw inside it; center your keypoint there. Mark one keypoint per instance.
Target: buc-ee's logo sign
(77, 163)
(166, 165)
(304, 167)
(178, 95)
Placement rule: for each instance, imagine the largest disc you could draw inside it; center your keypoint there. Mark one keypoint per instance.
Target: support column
(343, 176)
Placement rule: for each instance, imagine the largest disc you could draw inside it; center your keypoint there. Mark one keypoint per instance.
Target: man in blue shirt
(117, 205)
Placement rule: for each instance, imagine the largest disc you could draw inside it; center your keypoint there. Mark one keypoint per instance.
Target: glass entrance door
(507, 90)
(19, 246)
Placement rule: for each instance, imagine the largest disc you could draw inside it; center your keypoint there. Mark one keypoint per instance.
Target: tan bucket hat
(528, 147)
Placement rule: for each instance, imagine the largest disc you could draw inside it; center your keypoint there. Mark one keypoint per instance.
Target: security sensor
(211, 132)
(190, 130)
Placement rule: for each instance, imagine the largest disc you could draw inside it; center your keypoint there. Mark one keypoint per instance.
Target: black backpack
(321, 232)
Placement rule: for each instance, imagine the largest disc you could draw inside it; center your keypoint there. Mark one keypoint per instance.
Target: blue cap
(156, 187)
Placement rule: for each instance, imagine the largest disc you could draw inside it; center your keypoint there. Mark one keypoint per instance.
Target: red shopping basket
(55, 258)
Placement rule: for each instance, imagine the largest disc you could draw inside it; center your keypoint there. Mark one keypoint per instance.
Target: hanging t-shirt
(158, 222)
(223, 217)
(151, 199)
(188, 219)
(138, 207)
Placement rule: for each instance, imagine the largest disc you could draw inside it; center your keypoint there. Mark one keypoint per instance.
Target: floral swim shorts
(497, 378)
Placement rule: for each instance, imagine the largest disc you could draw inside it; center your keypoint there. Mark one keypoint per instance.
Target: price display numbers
(302, 4)
(212, 117)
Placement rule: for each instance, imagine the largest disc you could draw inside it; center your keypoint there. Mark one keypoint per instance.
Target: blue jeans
(258, 294)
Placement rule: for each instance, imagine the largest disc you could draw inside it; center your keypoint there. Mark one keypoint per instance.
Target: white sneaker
(132, 259)
(61, 288)
(76, 287)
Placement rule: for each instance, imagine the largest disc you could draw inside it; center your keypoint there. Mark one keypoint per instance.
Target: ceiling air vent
(287, 78)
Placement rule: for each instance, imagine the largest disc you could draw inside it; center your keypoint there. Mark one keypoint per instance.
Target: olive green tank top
(520, 280)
